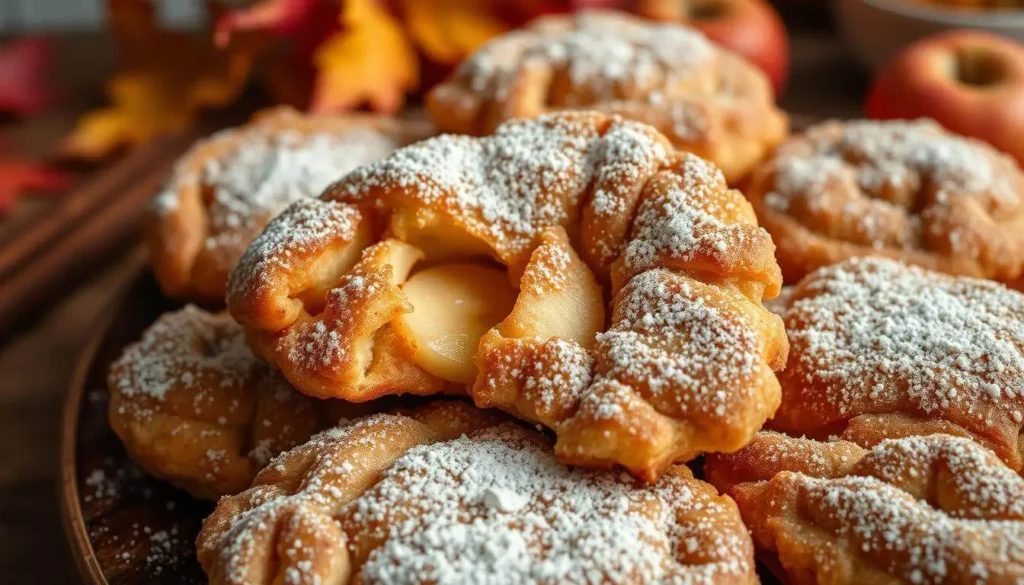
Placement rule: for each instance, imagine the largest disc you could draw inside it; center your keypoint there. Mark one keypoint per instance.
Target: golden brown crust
(868, 430)
(227, 187)
(685, 368)
(770, 453)
(882, 349)
(335, 338)
(537, 362)
(720, 243)
(935, 509)
(494, 195)
(903, 190)
(704, 99)
(193, 406)
(288, 269)
(449, 493)
(690, 351)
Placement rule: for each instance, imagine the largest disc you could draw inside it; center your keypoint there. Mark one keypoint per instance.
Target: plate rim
(75, 532)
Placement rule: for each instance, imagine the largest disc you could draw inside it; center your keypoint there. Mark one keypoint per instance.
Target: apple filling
(454, 305)
(441, 240)
(328, 269)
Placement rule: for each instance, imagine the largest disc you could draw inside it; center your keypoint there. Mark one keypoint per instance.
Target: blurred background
(64, 15)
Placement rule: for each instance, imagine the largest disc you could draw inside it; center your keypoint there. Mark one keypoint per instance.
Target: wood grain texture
(80, 230)
(52, 242)
(34, 371)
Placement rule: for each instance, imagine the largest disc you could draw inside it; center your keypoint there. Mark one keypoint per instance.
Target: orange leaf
(449, 30)
(19, 176)
(370, 61)
(166, 78)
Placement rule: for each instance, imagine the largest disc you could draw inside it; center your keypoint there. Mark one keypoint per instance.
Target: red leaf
(305, 21)
(20, 176)
(289, 71)
(24, 68)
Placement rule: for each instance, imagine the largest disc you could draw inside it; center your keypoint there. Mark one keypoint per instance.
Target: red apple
(971, 82)
(750, 28)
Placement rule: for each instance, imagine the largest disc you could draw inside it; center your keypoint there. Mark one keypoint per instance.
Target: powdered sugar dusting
(181, 350)
(561, 378)
(496, 507)
(240, 178)
(985, 486)
(934, 509)
(565, 525)
(505, 189)
(898, 179)
(271, 168)
(875, 518)
(605, 55)
(685, 219)
(673, 338)
(877, 332)
(624, 161)
(566, 169)
(195, 407)
(320, 344)
(305, 226)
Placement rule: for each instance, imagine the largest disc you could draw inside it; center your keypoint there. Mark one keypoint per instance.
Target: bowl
(876, 30)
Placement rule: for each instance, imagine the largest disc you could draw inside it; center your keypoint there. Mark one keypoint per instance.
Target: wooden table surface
(36, 361)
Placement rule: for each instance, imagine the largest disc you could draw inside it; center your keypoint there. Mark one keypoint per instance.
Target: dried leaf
(286, 18)
(370, 61)
(20, 176)
(24, 70)
(166, 79)
(304, 24)
(449, 30)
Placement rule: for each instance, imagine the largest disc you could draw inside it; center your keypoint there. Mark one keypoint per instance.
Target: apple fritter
(193, 406)
(446, 494)
(881, 349)
(227, 187)
(906, 190)
(932, 509)
(513, 244)
(705, 99)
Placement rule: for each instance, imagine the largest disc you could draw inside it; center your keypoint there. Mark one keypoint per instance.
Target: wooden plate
(123, 526)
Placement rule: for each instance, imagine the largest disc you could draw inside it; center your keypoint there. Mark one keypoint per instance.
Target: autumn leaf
(166, 79)
(286, 18)
(371, 60)
(24, 70)
(18, 177)
(449, 30)
(303, 25)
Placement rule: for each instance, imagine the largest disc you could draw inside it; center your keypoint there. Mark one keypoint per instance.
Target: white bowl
(876, 30)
